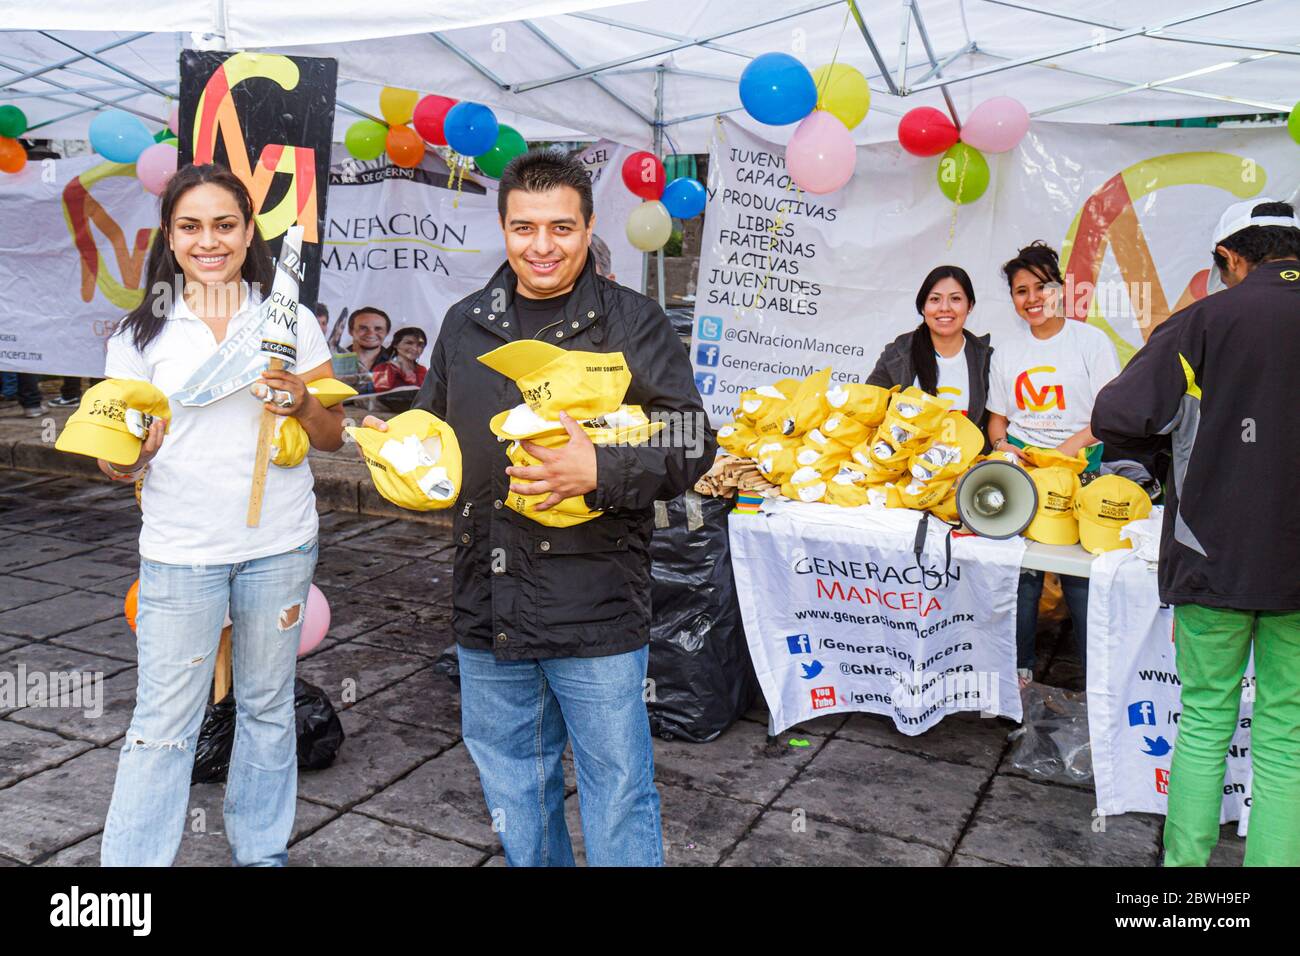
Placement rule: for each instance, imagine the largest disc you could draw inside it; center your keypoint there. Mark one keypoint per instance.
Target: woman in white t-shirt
(206, 271)
(940, 356)
(1045, 378)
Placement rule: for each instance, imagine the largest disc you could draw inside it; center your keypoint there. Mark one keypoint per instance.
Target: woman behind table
(939, 355)
(400, 362)
(1046, 375)
(207, 269)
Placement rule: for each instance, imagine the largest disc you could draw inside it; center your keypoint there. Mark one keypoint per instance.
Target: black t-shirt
(533, 315)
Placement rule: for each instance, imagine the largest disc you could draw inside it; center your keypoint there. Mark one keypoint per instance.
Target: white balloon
(649, 226)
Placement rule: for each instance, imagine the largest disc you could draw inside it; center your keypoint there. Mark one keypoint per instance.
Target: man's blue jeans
(1030, 591)
(178, 626)
(515, 718)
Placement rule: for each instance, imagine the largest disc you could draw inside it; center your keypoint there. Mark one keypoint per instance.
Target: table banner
(1134, 698)
(841, 615)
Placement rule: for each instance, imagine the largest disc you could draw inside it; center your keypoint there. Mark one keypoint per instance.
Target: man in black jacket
(553, 623)
(1218, 377)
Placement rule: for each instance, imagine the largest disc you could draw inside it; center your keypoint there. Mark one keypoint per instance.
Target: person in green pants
(1217, 377)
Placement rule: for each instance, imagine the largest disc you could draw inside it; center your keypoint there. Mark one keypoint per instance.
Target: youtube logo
(1162, 781)
(822, 697)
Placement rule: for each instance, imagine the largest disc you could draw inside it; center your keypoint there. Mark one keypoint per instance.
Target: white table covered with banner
(842, 614)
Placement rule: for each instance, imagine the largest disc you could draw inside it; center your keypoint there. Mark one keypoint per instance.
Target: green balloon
(509, 144)
(963, 173)
(165, 135)
(1293, 123)
(13, 121)
(365, 139)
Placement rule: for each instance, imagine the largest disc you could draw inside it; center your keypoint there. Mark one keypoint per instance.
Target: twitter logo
(1158, 747)
(811, 670)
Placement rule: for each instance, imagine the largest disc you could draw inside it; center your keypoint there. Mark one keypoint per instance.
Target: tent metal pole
(948, 61)
(902, 46)
(72, 59)
(665, 50)
(96, 98)
(1077, 47)
(871, 45)
(82, 110)
(473, 63)
(1228, 44)
(672, 71)
(1055, 14)
(357, 111)
(659, 152)
(662, 34)
(1154, 84)
(104, 63)
(536, 31)
(1182, 91)
(29, 94)
(915, 7)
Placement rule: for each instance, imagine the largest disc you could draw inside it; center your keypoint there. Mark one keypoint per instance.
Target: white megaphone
(997, 499)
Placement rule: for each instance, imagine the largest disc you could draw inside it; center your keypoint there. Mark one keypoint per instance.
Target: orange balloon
(405, 148)
(12, 155)
(132, 597)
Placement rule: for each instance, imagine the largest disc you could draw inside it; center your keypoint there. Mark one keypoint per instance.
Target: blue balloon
(777, 89)
(471, 128)
(119, 137)
(684, 198)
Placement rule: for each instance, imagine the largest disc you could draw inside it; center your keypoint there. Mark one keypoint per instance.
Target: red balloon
(644, 175)
(428, 116)
(925, 131)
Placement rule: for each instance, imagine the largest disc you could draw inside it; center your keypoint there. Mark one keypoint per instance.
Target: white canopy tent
(625, 71)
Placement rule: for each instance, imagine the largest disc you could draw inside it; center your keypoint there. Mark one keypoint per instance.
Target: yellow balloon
(843, 92)
(397, 105)
(649, 226)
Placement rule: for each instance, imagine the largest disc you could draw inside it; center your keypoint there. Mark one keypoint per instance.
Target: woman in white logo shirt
(1045, 377)
(198, 558)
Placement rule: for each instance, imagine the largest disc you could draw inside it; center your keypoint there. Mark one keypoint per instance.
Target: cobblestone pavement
(403, 790)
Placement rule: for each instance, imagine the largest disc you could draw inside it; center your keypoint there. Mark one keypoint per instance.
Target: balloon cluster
(471, 129)
(651, 224)
(776, 89)
(1293, 123)
(995, 126)
(121, 137)
(13, 123)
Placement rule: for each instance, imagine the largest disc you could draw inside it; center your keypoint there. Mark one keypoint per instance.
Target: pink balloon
(315, 622)
(996, 125)
(155, 166)
(820, 156)
(174, 119)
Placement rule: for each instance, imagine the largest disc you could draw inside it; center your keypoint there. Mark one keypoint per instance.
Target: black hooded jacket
(523, 589)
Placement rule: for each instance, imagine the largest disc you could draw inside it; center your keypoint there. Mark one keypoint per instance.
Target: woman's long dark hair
(163, 278)
(389, 351)
(923, 360)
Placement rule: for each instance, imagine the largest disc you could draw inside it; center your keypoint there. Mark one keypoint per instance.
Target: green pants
(1213, 646)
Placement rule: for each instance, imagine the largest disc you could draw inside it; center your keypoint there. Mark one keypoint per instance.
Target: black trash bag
(448, 665)
(216, 739)
(699, 660)
(320, 734)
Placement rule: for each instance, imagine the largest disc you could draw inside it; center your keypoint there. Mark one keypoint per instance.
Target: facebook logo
(1142, 712)
(799, 644)
(704, 382)
(710, 328)
(706, 355)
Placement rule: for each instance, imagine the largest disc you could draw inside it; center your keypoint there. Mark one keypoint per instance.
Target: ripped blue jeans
(180, 615)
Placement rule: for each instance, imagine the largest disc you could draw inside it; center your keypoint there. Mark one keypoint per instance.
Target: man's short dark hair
(322, 310)
(1258, 244)
(541, 170)
(352, 319)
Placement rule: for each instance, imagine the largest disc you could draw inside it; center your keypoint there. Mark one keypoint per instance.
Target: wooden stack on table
(730, 474)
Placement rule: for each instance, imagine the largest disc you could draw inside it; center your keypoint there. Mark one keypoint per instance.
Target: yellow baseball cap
(553, 380)
(1051, 458)
(947, 508)
(113, 420)
(806, 484)
(843, 429)
(330, 391)
(823, 461)
(847, 487)
(290, 444)
(807, 409)
(1103, 507)
(736, 437)
(416, 463)
(918, 408)
(924, 495)
(519, 423)
(958, 441)
(1054, 522)
(756, 403)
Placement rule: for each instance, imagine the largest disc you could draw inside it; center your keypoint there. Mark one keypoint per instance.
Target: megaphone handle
(262, 461)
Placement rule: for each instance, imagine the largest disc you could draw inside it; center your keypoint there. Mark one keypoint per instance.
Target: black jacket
(1217, 376)
(894, 367)
(522, 589)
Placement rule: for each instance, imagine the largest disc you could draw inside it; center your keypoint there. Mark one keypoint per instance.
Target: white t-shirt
(195, 497)
(954, 381)
(1046, 388)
